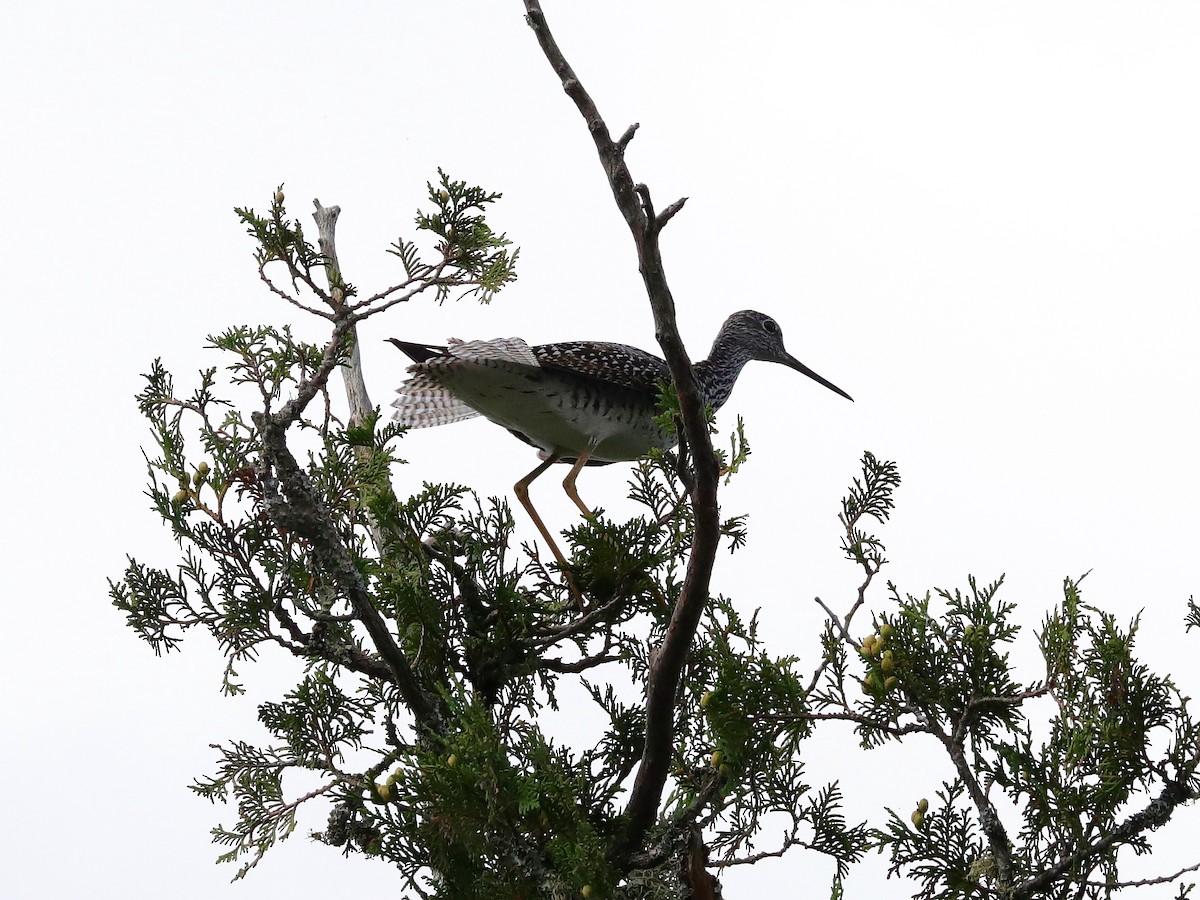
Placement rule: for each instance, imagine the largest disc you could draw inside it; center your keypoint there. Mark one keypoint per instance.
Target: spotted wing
(614, 364)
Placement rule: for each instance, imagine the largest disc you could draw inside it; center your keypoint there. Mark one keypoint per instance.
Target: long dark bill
(801, 367)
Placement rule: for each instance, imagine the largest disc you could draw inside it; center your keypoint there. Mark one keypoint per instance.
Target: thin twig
(966, 719)
(1144, 882)
(262, 274)
(855, 718)
(837, 623)
(789, 841)
(552, 636)
(580, 665)
(842, 625)
(430, 276)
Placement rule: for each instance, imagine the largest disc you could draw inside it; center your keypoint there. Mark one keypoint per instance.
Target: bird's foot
(573, 590)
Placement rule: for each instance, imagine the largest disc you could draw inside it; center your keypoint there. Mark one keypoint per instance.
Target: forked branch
(633, 200)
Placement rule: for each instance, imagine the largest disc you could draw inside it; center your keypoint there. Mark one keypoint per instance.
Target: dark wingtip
(418, 353)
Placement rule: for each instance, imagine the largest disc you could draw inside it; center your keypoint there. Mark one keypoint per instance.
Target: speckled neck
(717, 375)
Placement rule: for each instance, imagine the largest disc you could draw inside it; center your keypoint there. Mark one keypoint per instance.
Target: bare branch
(309, 645)
(976, 703)
(643, 193)
(666, 666)
(667, 214)
(580, 665)
(352, 374)
(989, 818)
(310, 387)
(789, 841)
(610, 153)
(298, 509)
(623, 140)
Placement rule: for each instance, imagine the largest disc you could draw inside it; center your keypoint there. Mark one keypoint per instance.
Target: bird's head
(760, 337)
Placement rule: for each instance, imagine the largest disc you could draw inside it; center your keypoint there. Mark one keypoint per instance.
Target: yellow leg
(521, 489)
(569, 481)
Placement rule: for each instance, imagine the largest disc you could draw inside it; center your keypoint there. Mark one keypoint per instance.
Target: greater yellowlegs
(578, 402)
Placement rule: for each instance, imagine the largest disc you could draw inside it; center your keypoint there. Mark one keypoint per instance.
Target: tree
(432, 652)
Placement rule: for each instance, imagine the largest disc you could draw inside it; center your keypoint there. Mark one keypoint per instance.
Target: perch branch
(352, 373)
(668, 660)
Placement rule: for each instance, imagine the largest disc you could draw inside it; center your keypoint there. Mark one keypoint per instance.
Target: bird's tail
(422, 402)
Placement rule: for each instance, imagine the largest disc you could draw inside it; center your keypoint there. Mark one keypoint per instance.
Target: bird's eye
(770, 327)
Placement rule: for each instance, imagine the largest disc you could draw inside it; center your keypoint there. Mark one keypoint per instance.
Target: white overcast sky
(980, 219)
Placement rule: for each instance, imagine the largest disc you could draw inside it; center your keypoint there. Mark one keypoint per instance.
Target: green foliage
(739, 451)
(471, 259)
(1120, 750)
(435, 661)
(468, 245)
(868, 497)
(480, 796)
(278, 240)
(940, 848)
(752, 719)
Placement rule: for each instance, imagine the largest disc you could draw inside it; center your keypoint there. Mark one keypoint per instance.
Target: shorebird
(578, 402)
